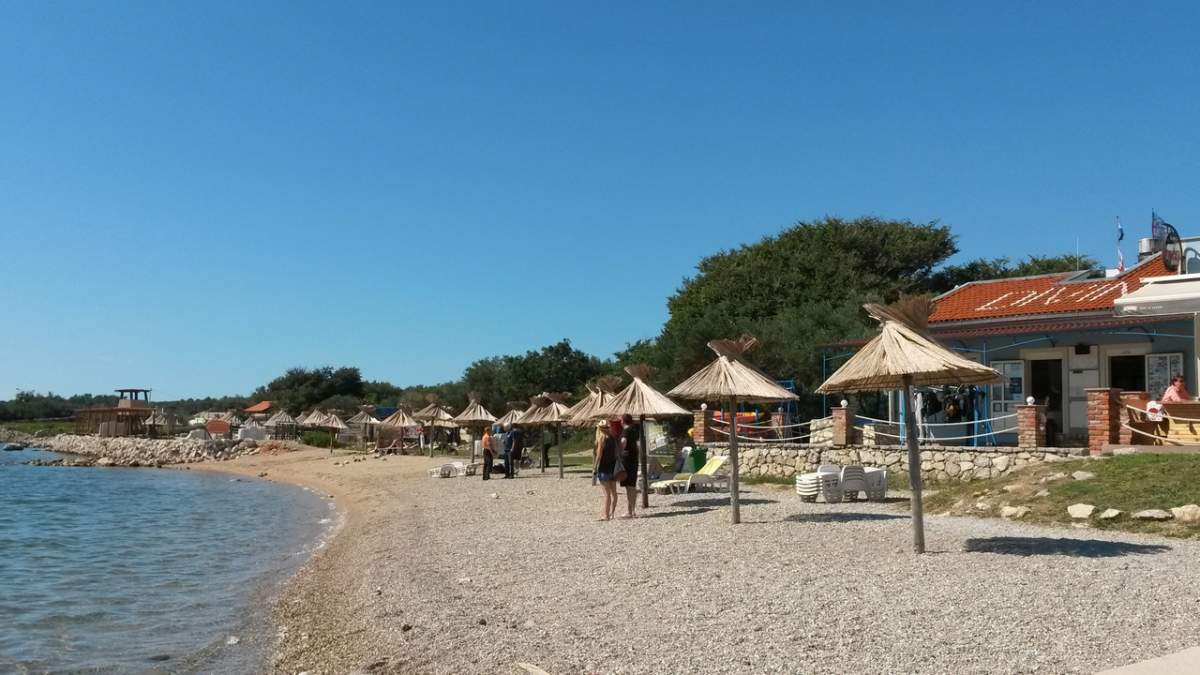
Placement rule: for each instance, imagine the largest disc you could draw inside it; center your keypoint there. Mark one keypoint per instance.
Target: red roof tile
(1045, 294)
(261, 406)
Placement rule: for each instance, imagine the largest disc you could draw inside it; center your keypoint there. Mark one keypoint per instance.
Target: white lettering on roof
(1055, 294)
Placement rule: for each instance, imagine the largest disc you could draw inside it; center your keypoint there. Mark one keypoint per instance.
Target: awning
(1163, 295)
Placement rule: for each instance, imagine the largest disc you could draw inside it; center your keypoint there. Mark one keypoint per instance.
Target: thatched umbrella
(364, 419)
(900, 357)
(475, 417)
(328, 421)
(583, 414)
(436, 416)
(732, 379)
(550, 411)
(281, 423)
(641, 401)
(400, 420)
(516, 409)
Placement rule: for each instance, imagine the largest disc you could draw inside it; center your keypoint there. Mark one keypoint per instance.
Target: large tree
(795, 291)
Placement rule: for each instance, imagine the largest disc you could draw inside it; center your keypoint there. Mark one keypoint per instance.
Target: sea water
(144, 570)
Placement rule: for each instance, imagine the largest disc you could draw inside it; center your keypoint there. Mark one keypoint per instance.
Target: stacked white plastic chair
(822, 484)
(854, 480)
(876, 484)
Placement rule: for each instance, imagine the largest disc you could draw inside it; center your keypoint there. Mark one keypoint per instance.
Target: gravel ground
(440, 576)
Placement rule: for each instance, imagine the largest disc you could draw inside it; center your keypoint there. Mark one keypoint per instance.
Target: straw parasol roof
(515, 410)
(730, 376)
(640, 399)
(399, 419)
(903, 350)
(549, 409)
(900, 357)
(363, 417)
(279, 419)
(475, 414)
(251, 424)
(599, 394)
(435, 415)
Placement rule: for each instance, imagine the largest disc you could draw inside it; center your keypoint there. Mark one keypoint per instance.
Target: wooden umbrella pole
(734, 500)
(642, 457)
(473, 444)
(914, 467)
(558, 444)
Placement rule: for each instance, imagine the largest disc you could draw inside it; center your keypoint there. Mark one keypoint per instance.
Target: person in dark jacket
(514, 443)
(605, 467)
(631, 438)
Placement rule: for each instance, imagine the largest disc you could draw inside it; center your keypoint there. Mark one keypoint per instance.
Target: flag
(1120, 255)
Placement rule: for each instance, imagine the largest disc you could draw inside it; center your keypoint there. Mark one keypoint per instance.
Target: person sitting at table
(1177, 392)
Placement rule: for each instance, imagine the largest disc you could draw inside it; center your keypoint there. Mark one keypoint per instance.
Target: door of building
(1046, 387)
(1007, 394)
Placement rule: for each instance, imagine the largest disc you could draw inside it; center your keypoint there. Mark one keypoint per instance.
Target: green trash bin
(697, 459)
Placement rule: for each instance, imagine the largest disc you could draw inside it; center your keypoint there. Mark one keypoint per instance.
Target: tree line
(797, 291)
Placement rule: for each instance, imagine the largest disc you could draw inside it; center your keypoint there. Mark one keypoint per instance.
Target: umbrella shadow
(841, 517)
(672, 514)
(723, 501)
(1080, 548)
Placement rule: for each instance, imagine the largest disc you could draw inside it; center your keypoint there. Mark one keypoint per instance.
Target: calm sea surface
(143, 570)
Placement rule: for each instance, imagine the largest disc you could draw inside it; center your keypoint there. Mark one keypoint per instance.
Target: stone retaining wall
(937, 464)
(145, 451)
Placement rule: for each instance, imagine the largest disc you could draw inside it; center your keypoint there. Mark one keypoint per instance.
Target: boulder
(1042, 493)
(105, 461)
(1014, 512)
(1186, 514)
(1081, 511)
(1083, 475)
(1118, 452)
(1000, 463)
(1153, 514)
(1111, 514)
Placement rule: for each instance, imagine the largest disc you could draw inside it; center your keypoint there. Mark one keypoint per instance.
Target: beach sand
(465, 576)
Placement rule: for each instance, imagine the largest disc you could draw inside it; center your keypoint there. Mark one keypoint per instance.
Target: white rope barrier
(1146, 433)
(751, 439)
(943, 424)
(928, 439)
(768, 427)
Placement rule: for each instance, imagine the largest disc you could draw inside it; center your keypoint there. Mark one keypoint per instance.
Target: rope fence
(926, 439)
(943, 424)
(752, 439)
(1162, 413)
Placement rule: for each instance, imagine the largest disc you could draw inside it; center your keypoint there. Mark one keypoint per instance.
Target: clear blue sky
(197, 196)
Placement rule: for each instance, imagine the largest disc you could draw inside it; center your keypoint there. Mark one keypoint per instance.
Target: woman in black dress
(605, 467)
(631, 438)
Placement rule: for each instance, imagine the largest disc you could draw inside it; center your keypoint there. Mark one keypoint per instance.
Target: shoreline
(292, 605)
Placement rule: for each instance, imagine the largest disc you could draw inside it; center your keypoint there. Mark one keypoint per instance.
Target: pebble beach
(504, 576)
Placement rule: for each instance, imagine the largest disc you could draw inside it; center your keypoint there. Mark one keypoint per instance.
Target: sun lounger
(706, 477)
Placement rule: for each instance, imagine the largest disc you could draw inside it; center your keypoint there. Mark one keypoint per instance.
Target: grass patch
(1130, 483)
(34, 426)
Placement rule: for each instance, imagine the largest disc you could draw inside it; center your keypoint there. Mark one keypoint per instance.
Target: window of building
(1127, 372)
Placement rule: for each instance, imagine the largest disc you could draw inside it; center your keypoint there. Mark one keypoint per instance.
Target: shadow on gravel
(1083, 548)
(840, 517)
(722, 501)
(671, 514)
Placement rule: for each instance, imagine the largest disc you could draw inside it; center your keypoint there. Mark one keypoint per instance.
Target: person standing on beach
(605, 467)
(515, 440)
(488, 457)
(631, 437)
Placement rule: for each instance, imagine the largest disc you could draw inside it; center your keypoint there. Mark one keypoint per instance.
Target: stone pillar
(702, 427)
(1137, 399)
(1031, 426)
(1104, 421)
(843, 426)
